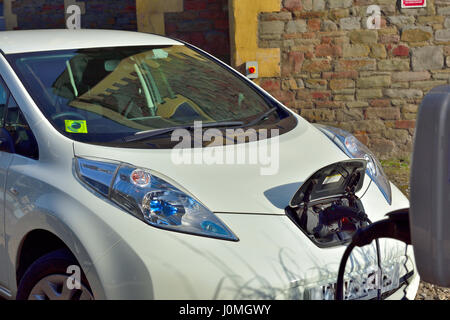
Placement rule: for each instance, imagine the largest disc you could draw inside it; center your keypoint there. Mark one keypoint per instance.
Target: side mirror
(430, 188)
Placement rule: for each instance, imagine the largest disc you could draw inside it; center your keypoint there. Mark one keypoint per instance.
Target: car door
(5, 161)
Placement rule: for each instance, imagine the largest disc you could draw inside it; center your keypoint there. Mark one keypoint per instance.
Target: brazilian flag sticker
(76, 126)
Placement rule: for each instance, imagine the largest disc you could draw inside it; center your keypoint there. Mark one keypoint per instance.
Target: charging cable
(396, 226)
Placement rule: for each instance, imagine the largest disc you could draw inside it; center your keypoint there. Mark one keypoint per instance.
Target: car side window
(3, 101)
(22, 137)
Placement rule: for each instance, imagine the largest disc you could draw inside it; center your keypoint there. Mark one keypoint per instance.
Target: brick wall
(370, 82)
(100, 14)
(203, 23)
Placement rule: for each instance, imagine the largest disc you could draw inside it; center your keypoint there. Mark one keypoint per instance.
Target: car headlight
(149, 197)
(355, 149)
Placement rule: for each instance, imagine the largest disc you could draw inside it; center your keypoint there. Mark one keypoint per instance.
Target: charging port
(326, 208)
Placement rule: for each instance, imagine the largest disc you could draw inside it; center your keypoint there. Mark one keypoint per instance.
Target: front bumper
(408, 290)
(272, 260)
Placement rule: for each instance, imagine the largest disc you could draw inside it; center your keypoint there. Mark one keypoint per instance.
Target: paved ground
(398, 172)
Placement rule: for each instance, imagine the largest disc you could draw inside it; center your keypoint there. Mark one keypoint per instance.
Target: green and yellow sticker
(76, 126)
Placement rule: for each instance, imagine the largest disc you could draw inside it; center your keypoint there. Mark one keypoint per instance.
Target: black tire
(53, 263)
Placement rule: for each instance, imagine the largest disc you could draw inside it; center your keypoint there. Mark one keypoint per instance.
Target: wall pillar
(244, 36)
(10, 18)
(150, 14)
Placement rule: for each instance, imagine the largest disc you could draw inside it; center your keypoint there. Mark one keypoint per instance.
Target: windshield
(104, 95)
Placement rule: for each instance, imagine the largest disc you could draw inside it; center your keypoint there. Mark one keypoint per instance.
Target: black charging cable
(396, 226)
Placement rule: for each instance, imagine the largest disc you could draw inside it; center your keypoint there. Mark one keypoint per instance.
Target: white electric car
(134, 166)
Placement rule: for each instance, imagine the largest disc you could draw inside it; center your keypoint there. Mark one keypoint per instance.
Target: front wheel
(48, 279)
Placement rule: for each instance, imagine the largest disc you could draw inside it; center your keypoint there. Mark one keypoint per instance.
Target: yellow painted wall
(150, 14)
(244, 35)
(10, 18)
(243, 29)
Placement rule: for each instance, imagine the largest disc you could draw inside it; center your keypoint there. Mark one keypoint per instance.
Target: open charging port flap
(326, 207)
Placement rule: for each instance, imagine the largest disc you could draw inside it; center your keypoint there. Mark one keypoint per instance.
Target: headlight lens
(355, 149)
(150, 198)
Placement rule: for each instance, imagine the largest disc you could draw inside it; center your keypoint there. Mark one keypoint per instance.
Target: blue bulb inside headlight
(159, 208)
(152, 199)
(353, 148)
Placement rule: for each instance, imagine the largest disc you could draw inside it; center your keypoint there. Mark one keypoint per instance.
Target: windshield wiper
(143, 135)
(262, 117)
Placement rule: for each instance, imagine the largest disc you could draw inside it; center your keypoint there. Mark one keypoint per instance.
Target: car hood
(263, 188)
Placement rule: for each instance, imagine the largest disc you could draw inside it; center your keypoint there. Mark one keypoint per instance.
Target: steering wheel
(67, 114)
